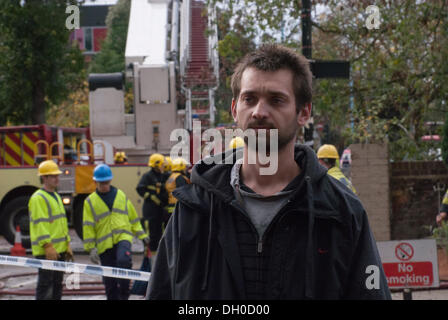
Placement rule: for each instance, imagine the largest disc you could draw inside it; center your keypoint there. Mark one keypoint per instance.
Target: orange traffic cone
(18, 249)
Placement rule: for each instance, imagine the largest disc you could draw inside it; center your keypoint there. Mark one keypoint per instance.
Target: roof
(94, 15)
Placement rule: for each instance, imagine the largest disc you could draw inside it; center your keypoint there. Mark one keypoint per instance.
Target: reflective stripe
(59, 240)
(103, 238)
(48, 204)
(88, 223)
(152, 188)
(44, 237)
(40, 220)
(102, 215)
(50, 219)
(155, 199)
(139, 233)
(119, 211)
(135, 220)
(114, 232)
(89, 240)
(91, 208)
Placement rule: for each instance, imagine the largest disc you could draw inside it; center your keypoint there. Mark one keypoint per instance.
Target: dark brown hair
(273, 57)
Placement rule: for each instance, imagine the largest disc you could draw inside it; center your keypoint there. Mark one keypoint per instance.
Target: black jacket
(198, 256)
(153, 183)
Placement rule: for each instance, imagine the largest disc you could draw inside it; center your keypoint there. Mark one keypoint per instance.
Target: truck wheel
(15, 213)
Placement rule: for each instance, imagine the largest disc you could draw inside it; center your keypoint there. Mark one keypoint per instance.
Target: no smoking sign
(404, 251)
(410, 263)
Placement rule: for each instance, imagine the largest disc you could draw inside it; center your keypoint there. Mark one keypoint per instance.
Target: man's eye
(277, 100)
(248, 99)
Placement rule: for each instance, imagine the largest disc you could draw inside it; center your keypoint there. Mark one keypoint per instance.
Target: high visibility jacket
(335, 172)
(48, 222)
(176, 179)
(444, 207)
(103, 228)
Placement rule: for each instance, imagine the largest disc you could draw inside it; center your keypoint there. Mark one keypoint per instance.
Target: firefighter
(236, 142)
(177, 179)
(120, 158)
(151, 188)
(328, 157)
(49, 231)
(166, 169)
(110, 222)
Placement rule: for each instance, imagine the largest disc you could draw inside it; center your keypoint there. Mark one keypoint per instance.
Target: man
(151, 188)
(177, 179)
(109, 225)
(328, 157)
(49, 231)
(120, 158)
(296, 234)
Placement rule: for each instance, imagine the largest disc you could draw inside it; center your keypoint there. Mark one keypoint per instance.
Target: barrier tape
(72, 267)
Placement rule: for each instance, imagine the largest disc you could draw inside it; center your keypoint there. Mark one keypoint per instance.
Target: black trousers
(118, 256)
(155, 216)
(49, 282)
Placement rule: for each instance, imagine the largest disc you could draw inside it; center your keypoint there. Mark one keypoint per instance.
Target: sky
(100, 2)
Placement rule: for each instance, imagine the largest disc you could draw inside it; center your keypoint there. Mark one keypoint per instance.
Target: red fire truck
(22, 148)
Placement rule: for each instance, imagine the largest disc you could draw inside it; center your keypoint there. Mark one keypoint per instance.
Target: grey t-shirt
(260, 209)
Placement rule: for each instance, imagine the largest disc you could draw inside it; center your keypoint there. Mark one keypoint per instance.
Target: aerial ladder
(172, 61)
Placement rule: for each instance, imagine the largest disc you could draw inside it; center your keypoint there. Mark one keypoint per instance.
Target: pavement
(29, 281)
(14, 278)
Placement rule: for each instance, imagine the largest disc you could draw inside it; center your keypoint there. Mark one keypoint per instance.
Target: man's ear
(304, 114)
(234, 110)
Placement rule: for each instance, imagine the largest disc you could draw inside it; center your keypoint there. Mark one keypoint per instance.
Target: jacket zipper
(259, 243)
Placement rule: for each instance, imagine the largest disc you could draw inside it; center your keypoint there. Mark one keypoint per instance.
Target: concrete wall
(370, 176)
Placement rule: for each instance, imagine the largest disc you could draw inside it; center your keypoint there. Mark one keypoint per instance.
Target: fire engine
(171, 52)
(22, 148)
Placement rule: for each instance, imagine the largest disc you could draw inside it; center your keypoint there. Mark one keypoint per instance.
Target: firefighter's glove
(94, 257)
(50, 252)
(69, 254)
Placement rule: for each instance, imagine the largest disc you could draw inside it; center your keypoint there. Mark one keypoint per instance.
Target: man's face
(267, 101)
(51, 182)
(103, 187)
(322, 162)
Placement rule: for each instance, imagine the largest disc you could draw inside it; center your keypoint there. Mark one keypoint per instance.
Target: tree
(398, 71)
(445, 141)
(111, 58)
(39, 67)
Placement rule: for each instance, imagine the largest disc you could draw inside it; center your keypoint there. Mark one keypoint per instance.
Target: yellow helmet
(167, 164)
(236, 142)
(156, 161)
(179, 164)
(120, 157)
(47, 168)
(327, 151)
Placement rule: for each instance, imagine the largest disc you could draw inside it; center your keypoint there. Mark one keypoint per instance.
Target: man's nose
(261, 110)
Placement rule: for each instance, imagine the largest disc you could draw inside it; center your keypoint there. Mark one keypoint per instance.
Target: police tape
(71, 267)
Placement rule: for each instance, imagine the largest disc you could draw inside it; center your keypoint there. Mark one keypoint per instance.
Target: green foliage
(445, 141)
(111, 58)
(38, 67)
(398, 71)
(440, 234)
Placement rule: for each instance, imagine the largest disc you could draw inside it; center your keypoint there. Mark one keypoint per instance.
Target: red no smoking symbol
(404, 251)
